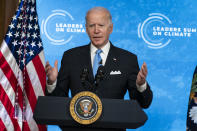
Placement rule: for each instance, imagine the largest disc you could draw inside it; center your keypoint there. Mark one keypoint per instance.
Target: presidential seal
(85, 107)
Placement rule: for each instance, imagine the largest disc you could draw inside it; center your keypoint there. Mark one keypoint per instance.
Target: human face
(98, 27)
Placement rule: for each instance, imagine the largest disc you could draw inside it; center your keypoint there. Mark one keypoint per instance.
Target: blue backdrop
(160, 32)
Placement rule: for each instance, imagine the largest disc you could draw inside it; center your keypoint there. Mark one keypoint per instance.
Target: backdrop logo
(59, 27)
(157, 31)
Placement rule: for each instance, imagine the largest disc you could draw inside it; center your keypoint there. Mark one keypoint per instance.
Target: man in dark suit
(121, 70)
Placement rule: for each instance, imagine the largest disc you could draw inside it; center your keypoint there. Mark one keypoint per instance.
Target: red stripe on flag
(40, 71)
(42, 77)
(11, 78)
(42, 128)
(32, 97)
(9, 108)
(8, 71)
(2, 126)
(30, 92)
(26, 127)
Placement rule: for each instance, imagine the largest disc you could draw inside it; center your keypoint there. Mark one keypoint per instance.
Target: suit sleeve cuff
(142, 87)
(50, 88)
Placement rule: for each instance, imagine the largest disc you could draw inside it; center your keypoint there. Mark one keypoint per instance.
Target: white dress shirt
(103, 54)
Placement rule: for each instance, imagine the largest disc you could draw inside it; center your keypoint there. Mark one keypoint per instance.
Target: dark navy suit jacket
(112, 86)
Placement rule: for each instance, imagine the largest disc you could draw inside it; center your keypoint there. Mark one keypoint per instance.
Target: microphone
(100, 63)
(84, 76)
(100, 75)
(85, 80)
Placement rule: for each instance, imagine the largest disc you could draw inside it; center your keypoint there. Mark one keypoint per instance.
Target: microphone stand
(84, 80)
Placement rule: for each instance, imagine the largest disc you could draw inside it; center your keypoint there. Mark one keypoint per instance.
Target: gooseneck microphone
(86, 84)
(84, 76)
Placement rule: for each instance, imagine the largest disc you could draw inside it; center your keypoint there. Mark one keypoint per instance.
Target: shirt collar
(105, 49)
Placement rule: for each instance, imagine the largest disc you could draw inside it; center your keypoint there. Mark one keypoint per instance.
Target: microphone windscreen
(101, 70)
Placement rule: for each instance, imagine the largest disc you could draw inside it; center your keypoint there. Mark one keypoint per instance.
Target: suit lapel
(111, 60)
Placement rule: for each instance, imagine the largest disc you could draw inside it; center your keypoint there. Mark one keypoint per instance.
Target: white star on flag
(16, 34)
(11, 25)
(14, 42)
(33, 44)
(36, 27)
(34, 35)
(9, 34)
(31, 53)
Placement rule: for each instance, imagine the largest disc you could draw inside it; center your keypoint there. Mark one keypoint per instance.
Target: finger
(48, 73)
(141, 75)
(145, 66)
(144, 69)
(56, 64)
(47, 65)
(47, 69)
(140, 79)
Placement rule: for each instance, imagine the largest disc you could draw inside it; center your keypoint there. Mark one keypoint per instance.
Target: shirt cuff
(142, 87)
(50, 88)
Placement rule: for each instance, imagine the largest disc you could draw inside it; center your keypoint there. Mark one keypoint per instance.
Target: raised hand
(51, 72)
(141, 77)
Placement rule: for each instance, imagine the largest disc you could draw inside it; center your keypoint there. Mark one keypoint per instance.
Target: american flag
(192, 106)
(22, 73)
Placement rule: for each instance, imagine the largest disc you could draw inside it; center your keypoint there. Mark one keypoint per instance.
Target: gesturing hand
(141, 77)
(51, 72)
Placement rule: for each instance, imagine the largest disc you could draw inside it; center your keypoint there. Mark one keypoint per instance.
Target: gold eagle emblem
(86, 106)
